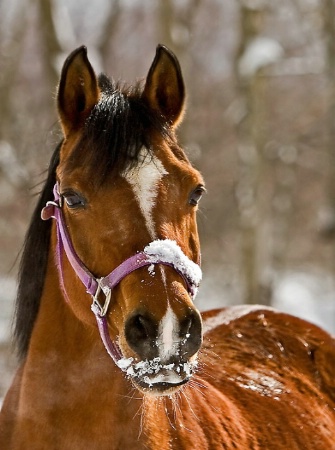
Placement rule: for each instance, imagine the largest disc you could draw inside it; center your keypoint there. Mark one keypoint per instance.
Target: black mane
(33, 264)
(114, 134)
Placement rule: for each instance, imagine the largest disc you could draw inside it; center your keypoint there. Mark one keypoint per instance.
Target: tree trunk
(250, 188)
(328, 223)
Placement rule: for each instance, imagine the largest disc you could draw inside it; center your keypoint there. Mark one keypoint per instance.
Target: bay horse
(113, 352)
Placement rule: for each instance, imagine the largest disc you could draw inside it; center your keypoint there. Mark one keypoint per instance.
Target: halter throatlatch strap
(165, 252)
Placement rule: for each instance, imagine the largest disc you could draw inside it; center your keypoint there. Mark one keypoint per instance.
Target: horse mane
(116, 130)
(33, 264)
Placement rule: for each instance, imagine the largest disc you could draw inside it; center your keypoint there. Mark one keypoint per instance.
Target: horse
(113, 353)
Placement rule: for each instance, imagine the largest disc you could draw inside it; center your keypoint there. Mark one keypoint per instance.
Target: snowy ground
(310, 295)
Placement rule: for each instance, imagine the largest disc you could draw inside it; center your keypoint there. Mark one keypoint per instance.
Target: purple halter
(164, 252)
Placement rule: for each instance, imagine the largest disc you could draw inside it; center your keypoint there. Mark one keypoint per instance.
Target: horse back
(278, 370)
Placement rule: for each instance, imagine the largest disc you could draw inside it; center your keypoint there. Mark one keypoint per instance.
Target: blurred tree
(327, 225)
(12, 48)
(254, 53)
(250, 131)
(175, 24)
(52, 47)
(109, 29)
(174, 29)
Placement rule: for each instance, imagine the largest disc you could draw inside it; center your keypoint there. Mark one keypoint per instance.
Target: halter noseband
(165, 252)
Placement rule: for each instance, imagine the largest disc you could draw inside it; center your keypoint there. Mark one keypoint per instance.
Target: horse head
(124, 186)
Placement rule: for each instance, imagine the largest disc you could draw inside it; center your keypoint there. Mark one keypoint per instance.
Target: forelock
(118, 127)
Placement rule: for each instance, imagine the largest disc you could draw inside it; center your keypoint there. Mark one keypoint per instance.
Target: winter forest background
(260, 125)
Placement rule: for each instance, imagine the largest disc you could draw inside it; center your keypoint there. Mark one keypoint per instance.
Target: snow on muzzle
(154, 375)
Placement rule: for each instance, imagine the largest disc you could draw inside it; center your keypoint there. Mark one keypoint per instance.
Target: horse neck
(69, 380)
(68, 365)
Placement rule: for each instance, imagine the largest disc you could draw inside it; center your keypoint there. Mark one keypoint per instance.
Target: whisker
(207, 371)
(131, 396)
(195, 388)
(209, 353)
(167, 414)
(197, 381)
(143, 410)
(182, 422)
(138, 410)
(174, 402)
(190, 406)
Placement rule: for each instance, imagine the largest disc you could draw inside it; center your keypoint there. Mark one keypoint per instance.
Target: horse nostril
(141, 327)
(185, 327)
(140, 333)
(191, 332)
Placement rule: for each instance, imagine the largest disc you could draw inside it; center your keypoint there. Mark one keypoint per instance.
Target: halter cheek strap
(165, 252)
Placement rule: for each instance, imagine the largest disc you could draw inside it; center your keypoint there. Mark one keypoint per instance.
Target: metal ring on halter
(96, 304)
(52, 203)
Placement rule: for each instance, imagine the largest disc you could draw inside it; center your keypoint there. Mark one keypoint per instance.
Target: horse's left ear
(164, 89)
(78, 91)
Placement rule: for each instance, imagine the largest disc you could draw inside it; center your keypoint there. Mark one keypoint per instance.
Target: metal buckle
(102, 310)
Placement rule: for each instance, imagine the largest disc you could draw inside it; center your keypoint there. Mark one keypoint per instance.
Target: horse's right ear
(78, 91)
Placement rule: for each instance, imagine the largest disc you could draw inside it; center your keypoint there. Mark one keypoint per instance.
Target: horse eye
(196, 195)
(73, 200)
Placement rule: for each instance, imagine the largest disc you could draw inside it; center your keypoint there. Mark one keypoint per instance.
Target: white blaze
(168, 335)
(144, 180)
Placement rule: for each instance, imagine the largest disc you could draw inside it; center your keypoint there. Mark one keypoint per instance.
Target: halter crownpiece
(166, 252)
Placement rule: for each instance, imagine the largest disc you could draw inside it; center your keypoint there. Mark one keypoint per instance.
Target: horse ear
(78, 91)
(164, 89)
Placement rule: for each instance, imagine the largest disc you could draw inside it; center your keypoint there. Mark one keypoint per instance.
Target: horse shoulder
(9, 410)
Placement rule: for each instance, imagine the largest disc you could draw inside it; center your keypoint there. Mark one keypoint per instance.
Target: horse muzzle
(155, 378)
